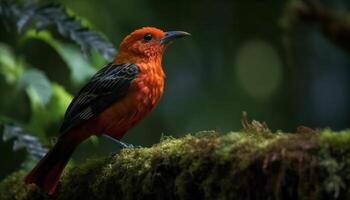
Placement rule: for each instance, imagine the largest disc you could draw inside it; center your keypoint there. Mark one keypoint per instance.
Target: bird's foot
(124, 145)
(121, 144)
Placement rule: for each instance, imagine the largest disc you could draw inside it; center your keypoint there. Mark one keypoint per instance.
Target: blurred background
(263, 57)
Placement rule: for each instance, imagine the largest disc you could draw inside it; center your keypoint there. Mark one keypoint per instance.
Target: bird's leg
(121, 144)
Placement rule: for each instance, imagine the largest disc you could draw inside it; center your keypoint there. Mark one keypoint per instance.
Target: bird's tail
(47, 172)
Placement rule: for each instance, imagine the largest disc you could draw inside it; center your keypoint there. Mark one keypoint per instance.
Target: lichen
(251, 164)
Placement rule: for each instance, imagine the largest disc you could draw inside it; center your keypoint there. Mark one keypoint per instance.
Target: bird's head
(146, 44)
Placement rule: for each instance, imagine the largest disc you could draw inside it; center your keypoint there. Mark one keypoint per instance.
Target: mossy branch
(238, 165)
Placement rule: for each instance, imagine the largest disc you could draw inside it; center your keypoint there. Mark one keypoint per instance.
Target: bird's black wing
(104, 88)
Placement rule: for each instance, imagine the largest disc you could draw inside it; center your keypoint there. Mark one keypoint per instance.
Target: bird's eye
(147, 37)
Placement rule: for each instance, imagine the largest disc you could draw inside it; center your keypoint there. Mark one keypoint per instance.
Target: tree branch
(246, 165)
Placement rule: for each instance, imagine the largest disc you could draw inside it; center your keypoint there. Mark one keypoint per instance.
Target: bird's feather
(104, 88)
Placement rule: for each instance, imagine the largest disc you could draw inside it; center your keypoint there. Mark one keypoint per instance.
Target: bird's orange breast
(143, 95)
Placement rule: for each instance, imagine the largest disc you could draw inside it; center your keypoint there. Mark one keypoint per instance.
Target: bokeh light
(258, 68)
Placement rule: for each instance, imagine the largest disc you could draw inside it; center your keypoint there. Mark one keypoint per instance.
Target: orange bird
(114, 100)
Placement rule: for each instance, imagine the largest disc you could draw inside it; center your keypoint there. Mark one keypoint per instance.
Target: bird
(115, 99)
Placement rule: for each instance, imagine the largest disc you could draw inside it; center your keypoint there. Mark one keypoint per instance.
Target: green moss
(240, 165)
(338, 139)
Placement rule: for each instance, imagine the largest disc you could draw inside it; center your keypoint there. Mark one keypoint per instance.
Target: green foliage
(37, 86)
(79, 67)
(11, 67)
(45, 15)
(47, 99)
(24, 140)
(42, 117)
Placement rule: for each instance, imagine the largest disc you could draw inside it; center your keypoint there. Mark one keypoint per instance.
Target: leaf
(25, 18)
(66, 23)
(79, 67)
(52, 113)
(10, 66)
(23, 139)
(37, 86)
(58, 103)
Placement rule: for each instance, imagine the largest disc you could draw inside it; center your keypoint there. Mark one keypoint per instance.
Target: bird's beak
(172, 35)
